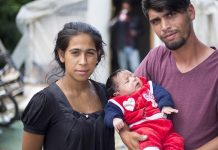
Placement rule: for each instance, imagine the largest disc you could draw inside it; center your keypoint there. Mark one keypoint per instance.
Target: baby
(143, 105)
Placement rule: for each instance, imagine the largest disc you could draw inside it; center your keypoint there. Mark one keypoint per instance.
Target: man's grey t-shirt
(195, 94)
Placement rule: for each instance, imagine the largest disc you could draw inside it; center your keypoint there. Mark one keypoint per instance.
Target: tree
(9, 33)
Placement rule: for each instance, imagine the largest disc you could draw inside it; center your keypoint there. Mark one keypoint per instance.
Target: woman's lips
(82, 72)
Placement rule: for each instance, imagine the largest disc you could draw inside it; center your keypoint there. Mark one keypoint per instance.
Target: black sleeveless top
(50, 114)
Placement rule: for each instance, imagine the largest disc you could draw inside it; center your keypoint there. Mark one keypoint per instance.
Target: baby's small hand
(169, 110)
(118, 124)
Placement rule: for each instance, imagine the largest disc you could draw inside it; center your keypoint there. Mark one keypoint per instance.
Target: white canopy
(40, 20)
(206, 21)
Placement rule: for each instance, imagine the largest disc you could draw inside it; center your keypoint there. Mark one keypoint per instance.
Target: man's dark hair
(110, 84)
(161, 5)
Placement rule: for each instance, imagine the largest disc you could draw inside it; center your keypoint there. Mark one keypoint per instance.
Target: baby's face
(127, 83)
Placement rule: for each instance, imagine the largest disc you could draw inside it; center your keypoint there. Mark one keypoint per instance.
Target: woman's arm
(32, 141)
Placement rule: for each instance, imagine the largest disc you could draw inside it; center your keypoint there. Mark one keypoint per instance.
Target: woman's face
(80, 57)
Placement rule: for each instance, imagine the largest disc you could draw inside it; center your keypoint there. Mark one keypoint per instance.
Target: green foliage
(9, 32)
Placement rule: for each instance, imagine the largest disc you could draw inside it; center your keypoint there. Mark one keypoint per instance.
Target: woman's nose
(82, 59)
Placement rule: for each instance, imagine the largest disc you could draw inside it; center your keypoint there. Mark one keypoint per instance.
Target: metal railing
(11, 84)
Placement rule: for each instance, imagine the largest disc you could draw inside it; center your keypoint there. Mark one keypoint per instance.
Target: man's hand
(131, 139)
(169, 110)
(118, 124)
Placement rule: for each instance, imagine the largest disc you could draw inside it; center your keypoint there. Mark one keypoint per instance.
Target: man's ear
(191, 11)
(61, 55)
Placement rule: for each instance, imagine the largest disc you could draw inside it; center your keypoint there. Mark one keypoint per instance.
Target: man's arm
(211, 145)
(131, 139)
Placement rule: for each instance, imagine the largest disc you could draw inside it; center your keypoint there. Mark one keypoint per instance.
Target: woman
(68, 114)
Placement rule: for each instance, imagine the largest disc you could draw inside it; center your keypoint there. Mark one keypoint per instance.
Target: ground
(10, 137)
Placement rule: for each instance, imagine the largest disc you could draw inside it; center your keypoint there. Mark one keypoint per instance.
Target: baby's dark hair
(110, 84)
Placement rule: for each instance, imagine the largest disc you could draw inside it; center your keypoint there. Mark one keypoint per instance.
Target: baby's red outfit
(141, 113)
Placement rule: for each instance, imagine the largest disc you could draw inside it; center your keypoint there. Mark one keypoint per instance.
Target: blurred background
(28, 30)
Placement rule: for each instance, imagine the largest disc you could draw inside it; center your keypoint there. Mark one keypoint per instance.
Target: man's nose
(165, 25)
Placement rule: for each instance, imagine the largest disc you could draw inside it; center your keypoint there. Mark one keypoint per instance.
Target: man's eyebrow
(165, 13)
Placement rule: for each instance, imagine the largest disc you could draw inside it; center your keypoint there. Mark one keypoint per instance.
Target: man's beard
(180, 42)
(175, 45)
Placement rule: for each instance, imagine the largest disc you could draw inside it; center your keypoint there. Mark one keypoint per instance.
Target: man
(126, 29)
(187, 68)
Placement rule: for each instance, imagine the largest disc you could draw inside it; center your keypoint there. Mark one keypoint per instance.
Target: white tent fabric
(40, 20)
(205, 22)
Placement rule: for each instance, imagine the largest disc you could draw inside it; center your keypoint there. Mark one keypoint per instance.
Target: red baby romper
(141, 113)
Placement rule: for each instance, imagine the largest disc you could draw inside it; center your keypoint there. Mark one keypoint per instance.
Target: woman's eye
(91, 52)
(75, 52)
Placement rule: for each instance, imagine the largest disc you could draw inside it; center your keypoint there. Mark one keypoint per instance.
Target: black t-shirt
(50, 114)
